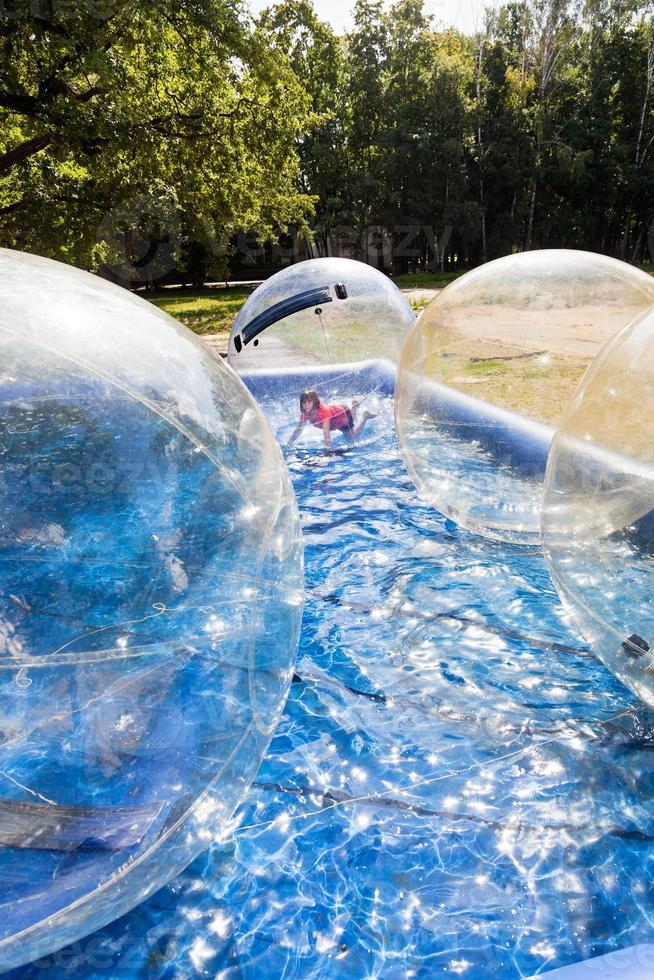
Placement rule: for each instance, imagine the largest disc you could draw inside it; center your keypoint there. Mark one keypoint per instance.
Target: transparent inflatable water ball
(324, 311)
(151, 564)
(598, 509)
(486, 374)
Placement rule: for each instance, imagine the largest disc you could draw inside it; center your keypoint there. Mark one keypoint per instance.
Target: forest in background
(154, 138)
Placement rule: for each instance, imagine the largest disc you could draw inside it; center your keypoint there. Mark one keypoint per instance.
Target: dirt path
(218, 342)
(420, 297)
(562, 332)
(272, 352)
(568, 332)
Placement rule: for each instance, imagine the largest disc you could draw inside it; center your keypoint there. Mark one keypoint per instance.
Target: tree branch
(25, 105)
(25, 150)
(11, 207)
(82, 97)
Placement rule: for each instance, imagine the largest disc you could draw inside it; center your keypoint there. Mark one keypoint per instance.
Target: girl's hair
(309, 395)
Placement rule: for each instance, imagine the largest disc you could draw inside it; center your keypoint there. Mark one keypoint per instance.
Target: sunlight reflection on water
(504, 823)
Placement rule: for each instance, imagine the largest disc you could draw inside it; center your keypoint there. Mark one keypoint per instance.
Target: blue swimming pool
(456, 787)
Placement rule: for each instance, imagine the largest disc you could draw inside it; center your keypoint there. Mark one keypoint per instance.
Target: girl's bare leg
(358, 428)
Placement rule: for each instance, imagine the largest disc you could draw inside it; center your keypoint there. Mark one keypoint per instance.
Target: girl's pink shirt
(335, 414)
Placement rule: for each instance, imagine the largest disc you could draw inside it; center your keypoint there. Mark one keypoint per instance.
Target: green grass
(205, 311)
(426, 280)
(438, 280)
(536, 388)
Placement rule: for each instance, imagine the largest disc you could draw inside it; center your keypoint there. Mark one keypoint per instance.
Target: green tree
(105, 101)
(316, 56)
(365, 86)
(501, 158)
(428, 79)
(634, 99)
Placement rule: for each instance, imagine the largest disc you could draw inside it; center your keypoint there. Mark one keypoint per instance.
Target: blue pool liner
(513, 440)
(517, 442)
(633, 963)
(507, 436)
(351, 379)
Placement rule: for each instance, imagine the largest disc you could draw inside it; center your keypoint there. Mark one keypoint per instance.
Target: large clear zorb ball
(150, 600)
(487, 371)
(598, 509)
(322, 312)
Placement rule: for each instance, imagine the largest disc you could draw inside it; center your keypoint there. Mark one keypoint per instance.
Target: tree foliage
(538, 131)
(114, 110)
(403, 142)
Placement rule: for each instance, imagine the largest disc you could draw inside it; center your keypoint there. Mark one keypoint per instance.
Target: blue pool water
(456, 787)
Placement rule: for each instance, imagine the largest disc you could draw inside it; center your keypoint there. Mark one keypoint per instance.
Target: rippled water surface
(457, 787)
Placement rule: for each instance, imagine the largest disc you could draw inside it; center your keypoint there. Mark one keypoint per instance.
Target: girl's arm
(326, 428)
(298, 429)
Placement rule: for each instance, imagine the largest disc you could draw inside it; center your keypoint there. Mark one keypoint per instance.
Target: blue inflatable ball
(150, 600)
(486, 374)
(321, 312)
(598, 507)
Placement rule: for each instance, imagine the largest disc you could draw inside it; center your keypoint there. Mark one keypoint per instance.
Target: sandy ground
(420, 296)
(528, 360)
(218, 342)
(579, 333)
(271, 352)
